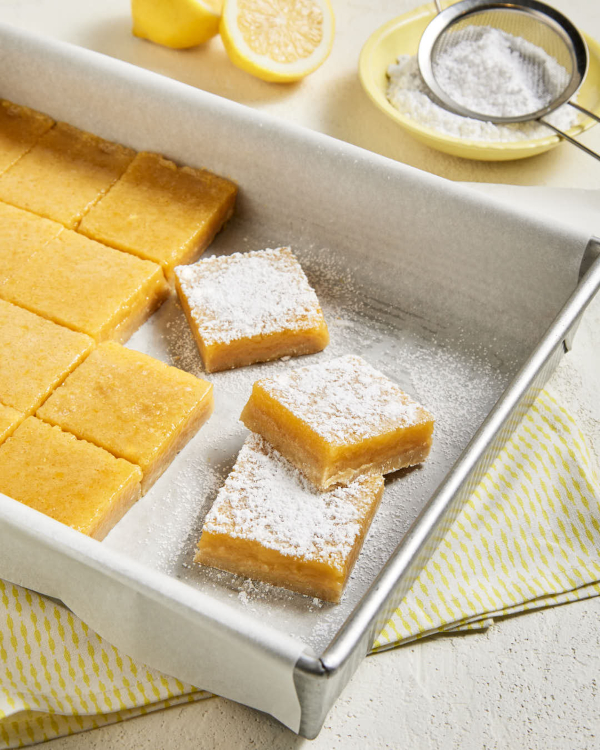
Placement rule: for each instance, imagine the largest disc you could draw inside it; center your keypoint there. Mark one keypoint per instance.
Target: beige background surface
(530, 681)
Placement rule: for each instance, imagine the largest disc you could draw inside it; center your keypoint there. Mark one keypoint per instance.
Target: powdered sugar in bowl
(388, 66)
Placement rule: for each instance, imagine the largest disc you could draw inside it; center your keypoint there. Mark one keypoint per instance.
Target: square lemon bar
(269, 523)
(10, 419)
(88, 287)
(69, 480)
(20, 129)
(132, 405)
(340, 419)
(250, 307)
(64, 174)
(36, 355)
(21, 234)
(162, 212)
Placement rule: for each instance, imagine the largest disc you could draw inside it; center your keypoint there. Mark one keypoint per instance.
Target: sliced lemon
(176, 23)
(277, 40)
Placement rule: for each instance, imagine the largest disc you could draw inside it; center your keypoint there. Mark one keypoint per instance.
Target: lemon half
(277, 40)
(176, 23)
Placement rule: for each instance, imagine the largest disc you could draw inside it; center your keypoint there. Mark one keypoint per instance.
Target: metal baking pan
(465, 303)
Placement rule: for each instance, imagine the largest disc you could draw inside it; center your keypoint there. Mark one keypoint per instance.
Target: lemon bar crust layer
(20, 129)
(36, 355)
(250, 307)
(64, 174)
(68, 479)
(88, 287)
(270, 524)
(162, 212)
(340, 419)
(133, 406)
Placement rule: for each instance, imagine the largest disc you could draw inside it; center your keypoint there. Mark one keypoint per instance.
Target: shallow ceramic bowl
(401, 36)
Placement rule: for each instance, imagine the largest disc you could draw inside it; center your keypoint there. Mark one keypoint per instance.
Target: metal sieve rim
(570, 35)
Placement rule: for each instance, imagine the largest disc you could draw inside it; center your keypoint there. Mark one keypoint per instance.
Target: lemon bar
(64, 174)
(132, 405)
(250, 307)
(21, 234)
(20, 129)
(88, 287)
(162, 212)
(10, 419)
(269, 523)
(35, 356)
(69, 480)
(340, 419)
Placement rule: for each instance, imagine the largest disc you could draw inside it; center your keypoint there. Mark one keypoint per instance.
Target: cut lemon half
(176, 23)
(277, 40)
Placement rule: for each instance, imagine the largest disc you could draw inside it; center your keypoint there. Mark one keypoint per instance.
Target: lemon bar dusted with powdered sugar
(251, 307)
(270, 524)
(337, 420)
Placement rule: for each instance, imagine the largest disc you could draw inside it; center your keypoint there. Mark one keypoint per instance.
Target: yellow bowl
(401, 36)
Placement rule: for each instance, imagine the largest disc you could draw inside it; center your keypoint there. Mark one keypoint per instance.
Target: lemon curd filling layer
(132, 405)
(36, 355)
(88, 287)
(162, 212)
(250, 307)
(68, 479)
(270, 524)
(338, 420)
(20, 129)
(64, 174)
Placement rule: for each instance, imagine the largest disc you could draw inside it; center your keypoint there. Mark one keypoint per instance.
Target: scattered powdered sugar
(345, 400)
(490, 71)
(448, 371)
(266, 500)
(248, 294)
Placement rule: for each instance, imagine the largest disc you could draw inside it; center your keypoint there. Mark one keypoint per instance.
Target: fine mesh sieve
(538, 33)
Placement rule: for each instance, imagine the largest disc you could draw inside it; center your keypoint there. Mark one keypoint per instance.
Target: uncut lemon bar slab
(21, 235)
(250, 307)
(64, 174)
(69, 480)
(10, 419)
(36, 355)
(88, 287)
(340, 419)
(162, 212)
(134, 406)
(20, 129)
(269, 523)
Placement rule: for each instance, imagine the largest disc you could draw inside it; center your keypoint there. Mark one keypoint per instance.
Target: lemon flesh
(176, 23)
(277, 40)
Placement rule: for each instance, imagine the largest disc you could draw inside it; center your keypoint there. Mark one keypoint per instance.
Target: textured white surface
(531, 681)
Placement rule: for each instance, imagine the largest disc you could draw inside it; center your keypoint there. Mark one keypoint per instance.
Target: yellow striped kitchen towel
(58, 677)
(529, 537)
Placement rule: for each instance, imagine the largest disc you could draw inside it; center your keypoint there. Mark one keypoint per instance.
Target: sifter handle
(571, 140)
(585, 111)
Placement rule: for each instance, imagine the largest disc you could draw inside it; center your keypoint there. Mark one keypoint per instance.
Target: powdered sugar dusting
(489, 71)
(455, 373)
(249, 294)
(345, 400)
(266, 500)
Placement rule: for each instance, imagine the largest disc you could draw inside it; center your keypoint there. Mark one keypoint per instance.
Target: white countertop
(530, 681)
